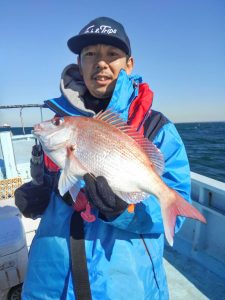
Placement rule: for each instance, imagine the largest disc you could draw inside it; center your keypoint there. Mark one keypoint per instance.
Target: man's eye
(89, 53)
(112, 54)
(57, 121)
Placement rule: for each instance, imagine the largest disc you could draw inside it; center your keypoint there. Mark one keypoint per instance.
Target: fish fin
(132, 198)
(66, 182)
(98, 114)
(72, 172)
(149, 148)
(74, 190)
(178, 207)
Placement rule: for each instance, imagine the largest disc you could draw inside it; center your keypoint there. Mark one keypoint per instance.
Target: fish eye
(57, 121)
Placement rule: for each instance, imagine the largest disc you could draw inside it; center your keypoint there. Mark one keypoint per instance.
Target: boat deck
(188, 280)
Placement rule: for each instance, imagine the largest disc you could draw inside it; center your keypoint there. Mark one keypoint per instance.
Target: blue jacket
(124, 256)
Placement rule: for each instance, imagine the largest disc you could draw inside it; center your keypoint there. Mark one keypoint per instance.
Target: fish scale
(95, 160)
(107, 146)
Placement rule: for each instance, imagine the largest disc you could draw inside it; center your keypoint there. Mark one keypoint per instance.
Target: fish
(105, 145)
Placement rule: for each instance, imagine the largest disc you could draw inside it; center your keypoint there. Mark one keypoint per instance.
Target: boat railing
(21, 108)
(15, 155)
(208, 192)
(205, 242)
(195, 239)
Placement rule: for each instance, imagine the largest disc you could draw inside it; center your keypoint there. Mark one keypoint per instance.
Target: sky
(178, 47)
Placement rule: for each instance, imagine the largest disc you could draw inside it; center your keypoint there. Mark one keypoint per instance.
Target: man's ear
(130, 65)
(79, 64)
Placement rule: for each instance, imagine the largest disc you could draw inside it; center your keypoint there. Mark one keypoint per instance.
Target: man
(121, 251)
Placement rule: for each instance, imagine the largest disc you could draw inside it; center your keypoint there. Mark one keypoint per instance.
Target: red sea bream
(106, 146)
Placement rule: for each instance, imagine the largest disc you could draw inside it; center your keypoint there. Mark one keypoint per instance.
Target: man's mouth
(101, 78)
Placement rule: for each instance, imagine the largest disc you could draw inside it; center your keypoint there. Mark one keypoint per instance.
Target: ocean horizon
(204, 143)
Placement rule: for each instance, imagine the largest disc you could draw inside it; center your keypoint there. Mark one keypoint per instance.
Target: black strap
(80, 277)
(153, 124)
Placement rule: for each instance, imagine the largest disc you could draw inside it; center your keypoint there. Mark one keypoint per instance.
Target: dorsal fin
(150, 149)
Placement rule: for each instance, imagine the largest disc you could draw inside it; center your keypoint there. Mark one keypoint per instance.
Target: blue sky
(178, 46)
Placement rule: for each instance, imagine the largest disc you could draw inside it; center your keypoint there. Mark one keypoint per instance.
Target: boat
(5, 125)
(195, 265)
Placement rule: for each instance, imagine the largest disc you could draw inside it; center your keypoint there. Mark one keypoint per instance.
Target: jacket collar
(127, 89)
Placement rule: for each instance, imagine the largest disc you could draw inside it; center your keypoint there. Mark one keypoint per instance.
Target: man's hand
(32, 199)
(37, 165)
(101, 196)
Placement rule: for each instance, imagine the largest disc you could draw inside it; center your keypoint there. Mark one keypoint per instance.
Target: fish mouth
(37, 130)
(45, 141)
(48, 141)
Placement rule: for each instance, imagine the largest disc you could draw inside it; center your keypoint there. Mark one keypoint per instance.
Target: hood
(73, 88)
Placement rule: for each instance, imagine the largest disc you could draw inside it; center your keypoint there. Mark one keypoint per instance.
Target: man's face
(100, 66)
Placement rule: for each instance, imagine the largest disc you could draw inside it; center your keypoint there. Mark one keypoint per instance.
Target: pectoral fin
(71, 174)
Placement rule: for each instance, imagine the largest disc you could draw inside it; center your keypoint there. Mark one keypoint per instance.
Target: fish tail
(177, 206)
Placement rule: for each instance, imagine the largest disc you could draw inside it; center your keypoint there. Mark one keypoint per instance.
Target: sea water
(205, 146)
(204, 143)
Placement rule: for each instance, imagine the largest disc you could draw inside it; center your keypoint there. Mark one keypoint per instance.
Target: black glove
(32, 200)
(101, 196)
(37, 165)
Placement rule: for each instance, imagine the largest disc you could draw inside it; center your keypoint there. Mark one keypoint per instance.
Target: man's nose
(101, 63)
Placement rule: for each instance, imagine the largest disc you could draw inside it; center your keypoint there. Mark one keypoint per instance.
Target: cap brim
(77, 43)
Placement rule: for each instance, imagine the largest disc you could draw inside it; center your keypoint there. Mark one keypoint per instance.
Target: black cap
(101, 30)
